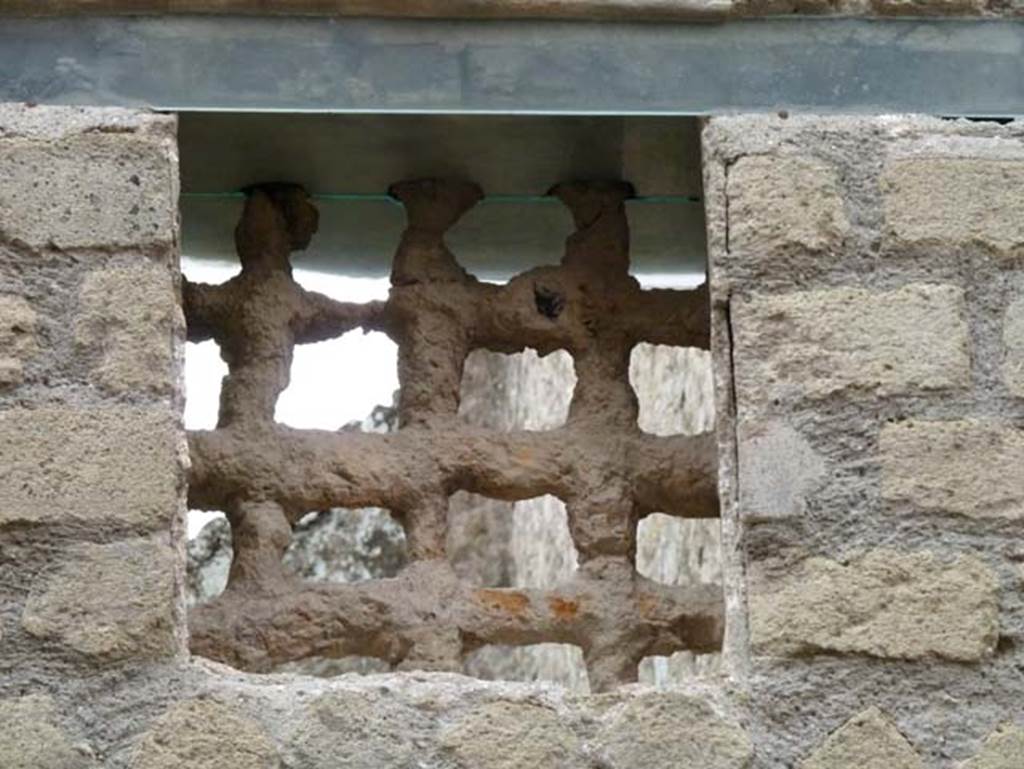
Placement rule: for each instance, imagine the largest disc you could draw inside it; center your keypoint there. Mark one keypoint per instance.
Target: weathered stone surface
(869, 740)
(32, 738)
(1013, 347)
(17, 337)
(113, 601)
(968, 467)
(128, 318)
(89, 465)
(784, 204)
(777, 469)
(935, 201)
(356, 730)
(507, 735)
(205, 734)
(1003, 749)
(90, 190)
(814, 343)
(668, 731)
(884, 604)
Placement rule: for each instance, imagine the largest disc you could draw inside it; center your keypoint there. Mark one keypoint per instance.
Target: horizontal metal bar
(937, 66)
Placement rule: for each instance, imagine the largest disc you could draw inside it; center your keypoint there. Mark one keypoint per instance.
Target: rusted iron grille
(266, 476)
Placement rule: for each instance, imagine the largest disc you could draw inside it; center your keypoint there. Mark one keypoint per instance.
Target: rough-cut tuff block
(205, 734)
(778, 468)
(31, 737)
(815, 343)
(1013, 347)
(17, 338)
(110, 602)
(969, 467)
(783, 205)
(883, 604)
(671, 731)
(506, 735)
(869, 740)
(1003, 749)
(80, 179)
(128, 318)
(935, 199)
(90, 465)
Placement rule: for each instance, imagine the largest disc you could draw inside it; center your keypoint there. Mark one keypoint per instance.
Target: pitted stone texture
(17, 338)
(32, 738)
(967, 467)
(849, 339)
(110, 602)
(1003, 749)
(91, 189)
(884, 604)
(128, 317)
(936, 201)
(89, 465)
(668, 731)
(1013, 346)
(778, 468)
(869, 740)
(357, 730)
(784, 204)
(507, 735)
(205, 734)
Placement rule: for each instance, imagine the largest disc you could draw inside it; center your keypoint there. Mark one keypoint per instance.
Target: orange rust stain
(563, 608)
(504, 600)
(647, 606)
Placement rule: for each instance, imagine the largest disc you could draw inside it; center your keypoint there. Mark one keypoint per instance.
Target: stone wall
(865, 277)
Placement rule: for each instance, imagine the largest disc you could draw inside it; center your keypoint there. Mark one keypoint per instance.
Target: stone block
(205, 734)
(90, 465)
(508, 735)
(1003, 749)
(110, 602)
(816, 343)
(784, 204)
(100, 189)
(128, 320)
(967, 467)
(935, 200)
(869, 740)
(31, 737)
(884, 604)
(778, 468)
(17, 338)
(1013, 348)
(668, 731)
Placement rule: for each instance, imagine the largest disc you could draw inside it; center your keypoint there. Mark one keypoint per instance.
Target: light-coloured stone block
(884, 604)
(784, 204)
(869, 740)
(967, 467)
(17, 337)
(89, 190)
(778, 468)
(1003, 749)
(935, 200)
(205, 734)
(90, 465)
(815, 343)
(1013, 347)
(508, 735)
(31, 737)
(128, 319)
(668, 731)
(112, 602)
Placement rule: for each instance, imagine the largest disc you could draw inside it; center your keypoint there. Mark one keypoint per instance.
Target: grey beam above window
(939, 66)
